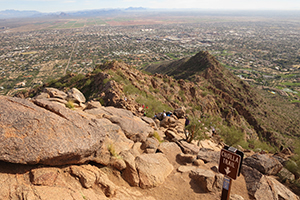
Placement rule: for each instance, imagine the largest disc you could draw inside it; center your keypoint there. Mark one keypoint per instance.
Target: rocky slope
(210, 95)
(49, 151)
(272, 117)
(122, 86)
(208, 90)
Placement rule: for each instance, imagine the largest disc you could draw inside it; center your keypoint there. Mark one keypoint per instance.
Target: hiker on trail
(213, 130)
(169, 113)
(159, 116)
(164, 114)
(187, 121)
(186, 131)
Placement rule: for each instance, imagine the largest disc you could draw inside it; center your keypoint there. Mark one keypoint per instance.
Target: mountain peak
(186, 68)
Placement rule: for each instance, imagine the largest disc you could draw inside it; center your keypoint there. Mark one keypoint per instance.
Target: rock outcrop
(262, 187)
(42, 132)
(264, 164)
(49, 151)
(153, 169)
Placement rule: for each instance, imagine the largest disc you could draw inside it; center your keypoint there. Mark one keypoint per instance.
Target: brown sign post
(229, 165)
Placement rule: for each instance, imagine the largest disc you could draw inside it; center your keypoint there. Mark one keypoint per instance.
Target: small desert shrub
(156, 135)
(181, 94)
(231, 134)
(112, 151)
(96, 71)
(77, 78)
(131, 89)
(70, 104)
(204, 93)
(102, 101)
(259, 145)
(106, 80)
(58, 85)
(153, 104)
(156, 90)
(165, 80)
(88, 82)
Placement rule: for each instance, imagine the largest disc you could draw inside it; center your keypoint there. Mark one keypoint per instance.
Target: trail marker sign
(230, 162)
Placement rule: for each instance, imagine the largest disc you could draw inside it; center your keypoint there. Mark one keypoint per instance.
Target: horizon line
(166, 9)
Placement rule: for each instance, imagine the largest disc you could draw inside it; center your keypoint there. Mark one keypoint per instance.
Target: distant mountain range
(6, 14)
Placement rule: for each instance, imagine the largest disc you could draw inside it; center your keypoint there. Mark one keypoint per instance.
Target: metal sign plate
(229, 163)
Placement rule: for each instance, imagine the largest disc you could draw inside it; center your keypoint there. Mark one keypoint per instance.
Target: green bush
(112, 151)
(259, 145)
(165, 80)
(96, 71)
(131, 89)
(106, 80)
(154, 105)
(58, 85)
(181, 94)
(70, 105)
(88, 82)
(231, 135)
(76, 78)
(293, 167)
(156, 135)
(198, 126)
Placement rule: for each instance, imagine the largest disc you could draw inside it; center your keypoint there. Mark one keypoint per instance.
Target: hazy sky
(75, 5)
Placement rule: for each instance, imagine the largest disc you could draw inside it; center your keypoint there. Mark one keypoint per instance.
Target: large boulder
(116, 138)
(149, 121)
(285, 175)
(263, 187)
(186, 158)
(167, 122)
(208, 155)
(153, 169)
(263, 163)
(180, 112)
(188, 148)
(86, 177)
(130, 174)
(150, 145)
(44, 176)
(136, 130)
(205, 178)
(55, 93)
(209, 144)
(252, 178)
(170, 150)
(47, 133)
(133, 127)
(92, 104)
(280, 191)
(172, 135)
(76, 96)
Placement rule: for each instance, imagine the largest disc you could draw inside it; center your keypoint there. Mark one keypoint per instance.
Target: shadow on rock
(197, 187)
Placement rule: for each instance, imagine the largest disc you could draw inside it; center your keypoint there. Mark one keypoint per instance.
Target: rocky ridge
(49, 151)
(236, 99)
(208, 90)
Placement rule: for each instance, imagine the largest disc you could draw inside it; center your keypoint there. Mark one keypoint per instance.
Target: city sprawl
(261, 51)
